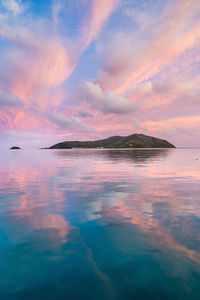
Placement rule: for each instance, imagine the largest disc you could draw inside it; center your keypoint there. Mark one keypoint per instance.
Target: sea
(100, 224)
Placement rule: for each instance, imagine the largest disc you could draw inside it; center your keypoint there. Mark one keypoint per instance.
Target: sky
(90, 69)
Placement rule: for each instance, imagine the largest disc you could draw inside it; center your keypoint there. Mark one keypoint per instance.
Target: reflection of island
(134, 155)
(138, 156)
(131, 141)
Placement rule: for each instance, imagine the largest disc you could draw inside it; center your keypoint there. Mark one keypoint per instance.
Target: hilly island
(131, 141)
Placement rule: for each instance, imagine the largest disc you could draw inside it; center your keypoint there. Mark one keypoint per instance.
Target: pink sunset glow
(99, 68)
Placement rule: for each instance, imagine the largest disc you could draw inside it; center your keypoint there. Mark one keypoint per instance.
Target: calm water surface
(100, 224)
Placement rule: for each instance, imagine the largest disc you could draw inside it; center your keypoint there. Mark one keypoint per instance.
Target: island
(131, 141)
(15, 148)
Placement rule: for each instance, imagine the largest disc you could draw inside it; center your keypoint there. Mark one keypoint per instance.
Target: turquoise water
(100, 224)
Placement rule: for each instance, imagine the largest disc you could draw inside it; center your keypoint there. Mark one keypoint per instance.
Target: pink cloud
(37, 65)
(150, 67)
(99, 14)
(178, 33)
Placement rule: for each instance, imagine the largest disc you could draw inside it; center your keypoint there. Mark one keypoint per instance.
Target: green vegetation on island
(131, 141)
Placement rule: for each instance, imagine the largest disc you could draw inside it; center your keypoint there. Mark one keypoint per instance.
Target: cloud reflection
(82, 200)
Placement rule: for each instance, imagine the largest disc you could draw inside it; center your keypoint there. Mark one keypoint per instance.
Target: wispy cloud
(16, 7)
(99, 13)
(134, 58)
(36, 61)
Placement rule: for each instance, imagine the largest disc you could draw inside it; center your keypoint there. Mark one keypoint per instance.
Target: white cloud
(14, 6)
(107, 102)
(56, 9)
(72, 123)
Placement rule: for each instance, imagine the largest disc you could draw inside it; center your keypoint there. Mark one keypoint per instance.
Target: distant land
(15, 148)
(131, 141)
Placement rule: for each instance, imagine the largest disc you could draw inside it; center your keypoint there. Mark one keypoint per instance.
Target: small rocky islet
(15, 148)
